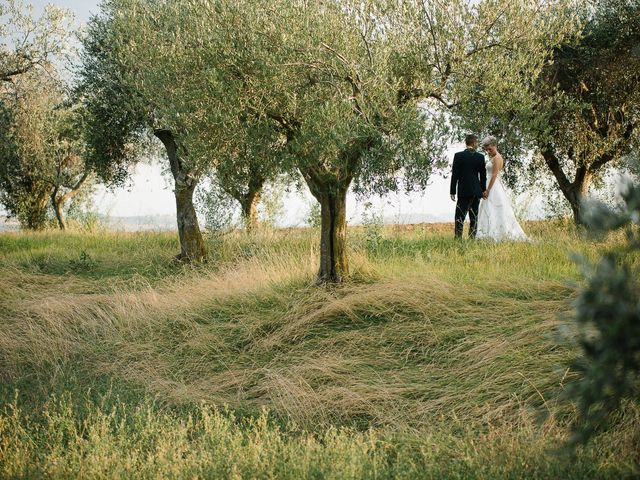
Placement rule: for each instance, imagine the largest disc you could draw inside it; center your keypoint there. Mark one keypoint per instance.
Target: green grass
(435, 360)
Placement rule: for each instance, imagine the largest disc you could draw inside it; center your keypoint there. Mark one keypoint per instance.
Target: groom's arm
(483, 175)
(454, 176)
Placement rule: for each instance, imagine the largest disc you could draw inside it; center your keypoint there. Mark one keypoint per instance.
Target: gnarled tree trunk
(332, 196)
(192, 248)
(59, 202)
(249, 203)
(574, 191)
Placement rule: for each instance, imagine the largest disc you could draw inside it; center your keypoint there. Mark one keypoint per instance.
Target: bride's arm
(497, 162)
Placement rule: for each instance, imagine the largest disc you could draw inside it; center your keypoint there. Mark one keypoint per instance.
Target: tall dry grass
(407, 344)
(429, 335)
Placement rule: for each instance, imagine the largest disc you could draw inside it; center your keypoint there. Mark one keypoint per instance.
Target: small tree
(43, 150)
(245, 167)
(218, 209)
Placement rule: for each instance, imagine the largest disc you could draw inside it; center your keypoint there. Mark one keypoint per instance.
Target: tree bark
(249, 206)
(580, 191)
(249, 203)
(57, 208)
(59, 202)
(334, 266)
(332, 196)
(574, 192)
(192, 248)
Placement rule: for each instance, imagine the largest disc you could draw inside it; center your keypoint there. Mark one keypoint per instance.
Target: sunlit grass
(444, 352)
(145, 441)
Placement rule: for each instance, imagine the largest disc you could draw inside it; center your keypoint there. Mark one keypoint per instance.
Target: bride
(496, 220)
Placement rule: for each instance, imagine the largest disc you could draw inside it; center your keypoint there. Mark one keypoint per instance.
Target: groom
(469, 176)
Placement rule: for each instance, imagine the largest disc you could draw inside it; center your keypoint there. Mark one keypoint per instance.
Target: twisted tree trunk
(192, 248)
(332, 196)
(574, 191)
(58, 203)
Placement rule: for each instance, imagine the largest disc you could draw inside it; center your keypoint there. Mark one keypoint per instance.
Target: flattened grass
(447, 350)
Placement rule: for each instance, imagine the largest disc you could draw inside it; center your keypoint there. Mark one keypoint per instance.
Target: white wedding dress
(496, 220)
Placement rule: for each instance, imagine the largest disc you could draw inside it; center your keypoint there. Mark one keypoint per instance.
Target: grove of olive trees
(354, 108)
(42, 148)
(249, 90)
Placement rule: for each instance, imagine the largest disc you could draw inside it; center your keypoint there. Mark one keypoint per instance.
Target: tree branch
(289, 126)
(75, 189)
(554, 165)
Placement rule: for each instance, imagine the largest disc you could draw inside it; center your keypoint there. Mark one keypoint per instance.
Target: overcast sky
(150, 193)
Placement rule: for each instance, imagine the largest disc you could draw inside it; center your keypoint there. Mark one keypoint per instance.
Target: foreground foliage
(145, 441)
(608, 311)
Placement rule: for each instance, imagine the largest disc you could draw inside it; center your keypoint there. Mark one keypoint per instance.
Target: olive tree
(359, 107)
(28, 47)
(69, 174)
(334, 99)
(28, 43)
(250, 160)
(42, 154)
(579, 114)
(590, 98)
(131, 88)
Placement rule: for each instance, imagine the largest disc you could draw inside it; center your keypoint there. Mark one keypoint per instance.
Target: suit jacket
(469, 175)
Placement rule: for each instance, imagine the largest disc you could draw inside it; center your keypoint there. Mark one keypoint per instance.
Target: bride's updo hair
(490, 140)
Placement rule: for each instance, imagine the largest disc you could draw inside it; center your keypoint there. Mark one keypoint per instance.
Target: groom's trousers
(466, 205)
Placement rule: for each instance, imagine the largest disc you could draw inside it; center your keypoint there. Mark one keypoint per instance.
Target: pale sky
(149, 193)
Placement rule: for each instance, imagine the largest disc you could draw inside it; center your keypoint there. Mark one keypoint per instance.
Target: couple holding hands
(490, 212)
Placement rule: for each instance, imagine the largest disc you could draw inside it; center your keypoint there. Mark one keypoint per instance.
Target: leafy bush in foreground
(608, 312)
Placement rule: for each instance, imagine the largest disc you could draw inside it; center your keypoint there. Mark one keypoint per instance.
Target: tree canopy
(579, 115)
(250, 88)
(28, 43)
(43, 150)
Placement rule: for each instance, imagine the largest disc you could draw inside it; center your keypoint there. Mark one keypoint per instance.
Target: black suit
(469, 178)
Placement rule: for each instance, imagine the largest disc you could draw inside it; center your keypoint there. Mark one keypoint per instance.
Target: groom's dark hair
(470, 139)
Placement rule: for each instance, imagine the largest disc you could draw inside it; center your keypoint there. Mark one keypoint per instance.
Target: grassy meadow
(437, 359)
